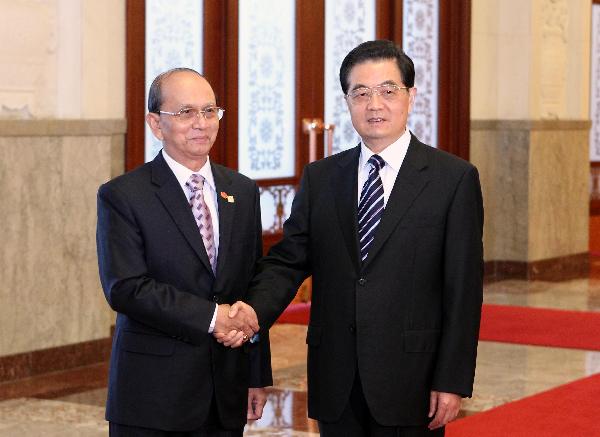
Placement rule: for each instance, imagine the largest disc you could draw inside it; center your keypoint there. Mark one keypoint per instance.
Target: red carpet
(570, 410)
(540, 326)
(514, 324)
(297, 313)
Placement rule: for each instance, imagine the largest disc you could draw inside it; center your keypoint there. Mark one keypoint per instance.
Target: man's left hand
(257, 398)
(232, 339)
(445, 407)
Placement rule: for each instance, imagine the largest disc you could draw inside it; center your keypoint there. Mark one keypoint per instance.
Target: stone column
(530, 134)
(62, 134)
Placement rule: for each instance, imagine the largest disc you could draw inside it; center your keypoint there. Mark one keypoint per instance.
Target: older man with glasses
(177, 240)
(391, 232)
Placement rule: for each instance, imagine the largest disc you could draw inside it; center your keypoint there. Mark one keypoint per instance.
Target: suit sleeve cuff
(211, 328)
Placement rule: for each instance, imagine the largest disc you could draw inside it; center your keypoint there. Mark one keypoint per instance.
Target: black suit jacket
(408, 317)
(165, 367)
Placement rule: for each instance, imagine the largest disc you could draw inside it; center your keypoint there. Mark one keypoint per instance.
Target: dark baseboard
(57, 384)
(553, 269)
(39, 362)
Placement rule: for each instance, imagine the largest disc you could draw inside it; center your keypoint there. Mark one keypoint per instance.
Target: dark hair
(154, 94)
(374, 51)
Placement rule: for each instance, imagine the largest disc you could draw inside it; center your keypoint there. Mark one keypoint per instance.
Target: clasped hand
(235, 324)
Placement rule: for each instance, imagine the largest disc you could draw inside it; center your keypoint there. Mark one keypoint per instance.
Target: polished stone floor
(505, 372)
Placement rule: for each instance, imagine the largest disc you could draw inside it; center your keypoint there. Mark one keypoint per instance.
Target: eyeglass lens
(388, 92)
(208, 113)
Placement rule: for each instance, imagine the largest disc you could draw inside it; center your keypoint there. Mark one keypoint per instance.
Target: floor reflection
(505, 372)
(285, 410)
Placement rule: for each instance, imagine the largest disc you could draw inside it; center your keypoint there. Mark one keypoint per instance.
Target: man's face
(186, 141)
(379, 121)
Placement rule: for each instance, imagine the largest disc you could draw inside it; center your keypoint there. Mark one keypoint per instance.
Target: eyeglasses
(189, 114)
(389, 92)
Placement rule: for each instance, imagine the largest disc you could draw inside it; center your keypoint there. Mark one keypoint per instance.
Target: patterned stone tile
(28, 417)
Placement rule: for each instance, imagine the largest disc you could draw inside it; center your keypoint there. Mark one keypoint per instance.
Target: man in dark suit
(391, 232)
(178, 239)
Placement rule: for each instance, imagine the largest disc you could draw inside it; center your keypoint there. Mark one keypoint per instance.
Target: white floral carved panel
(173, 39)
(347, 24)
(275, 206)
(595, 86)
(420, 36)
(266, 124)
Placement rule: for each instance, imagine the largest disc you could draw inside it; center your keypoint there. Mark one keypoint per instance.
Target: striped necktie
(202, 215)
(370, 206)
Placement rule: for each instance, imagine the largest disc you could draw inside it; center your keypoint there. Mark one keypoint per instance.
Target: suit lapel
(177, 206)
(344, 182)
(409, 183)
(226, 213)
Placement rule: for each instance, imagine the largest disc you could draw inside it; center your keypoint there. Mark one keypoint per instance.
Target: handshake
(235, 324)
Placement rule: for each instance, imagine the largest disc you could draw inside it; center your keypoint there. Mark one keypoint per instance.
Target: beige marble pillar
(62, 132)
(530, 134)
(50, 171)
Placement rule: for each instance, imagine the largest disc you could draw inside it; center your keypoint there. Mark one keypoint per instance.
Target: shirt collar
(182, 173)
(393, 155)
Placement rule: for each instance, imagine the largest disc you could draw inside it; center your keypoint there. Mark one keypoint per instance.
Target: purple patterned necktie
(202, 215)
(370, 206)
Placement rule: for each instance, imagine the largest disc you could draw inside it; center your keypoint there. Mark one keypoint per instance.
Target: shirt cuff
(211, 328)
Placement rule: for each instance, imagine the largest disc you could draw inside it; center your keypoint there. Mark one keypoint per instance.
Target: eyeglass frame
(372, 90)
(220, 112)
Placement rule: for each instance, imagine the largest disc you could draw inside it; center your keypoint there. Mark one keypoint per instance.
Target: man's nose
(374, 101)
(199, 121)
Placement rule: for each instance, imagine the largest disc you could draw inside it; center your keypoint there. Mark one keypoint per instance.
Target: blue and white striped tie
(370, 206)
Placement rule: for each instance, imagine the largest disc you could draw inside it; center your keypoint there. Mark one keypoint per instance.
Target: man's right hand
(235, 324)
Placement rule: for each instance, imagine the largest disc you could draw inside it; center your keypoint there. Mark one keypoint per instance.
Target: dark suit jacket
(408, 317)
(155, 273)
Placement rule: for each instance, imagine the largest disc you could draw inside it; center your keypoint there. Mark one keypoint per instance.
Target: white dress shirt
(393, 155)
(182, 173)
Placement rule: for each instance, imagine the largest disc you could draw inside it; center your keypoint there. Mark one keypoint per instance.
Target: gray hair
(155, 95)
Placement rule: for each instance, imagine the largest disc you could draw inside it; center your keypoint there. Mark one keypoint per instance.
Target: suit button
(362, 282)
(352, 329)
(216, 298)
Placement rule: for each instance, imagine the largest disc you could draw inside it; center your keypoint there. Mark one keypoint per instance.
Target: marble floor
(505, 372)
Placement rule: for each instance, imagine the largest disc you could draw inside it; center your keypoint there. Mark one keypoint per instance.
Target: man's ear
(347, 99)
(412, 94)
(153, 121)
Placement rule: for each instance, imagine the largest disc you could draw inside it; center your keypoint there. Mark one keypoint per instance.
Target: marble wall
(502, 157)
(559, 190)
(530, 77)
(530, 59)
(534, 177)
(50, 171)
(62, 59)
(62, 109)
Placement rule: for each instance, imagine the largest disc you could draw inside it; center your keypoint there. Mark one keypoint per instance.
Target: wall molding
(531, 125)
(39, 362)
(552, 269)
(62, 127)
